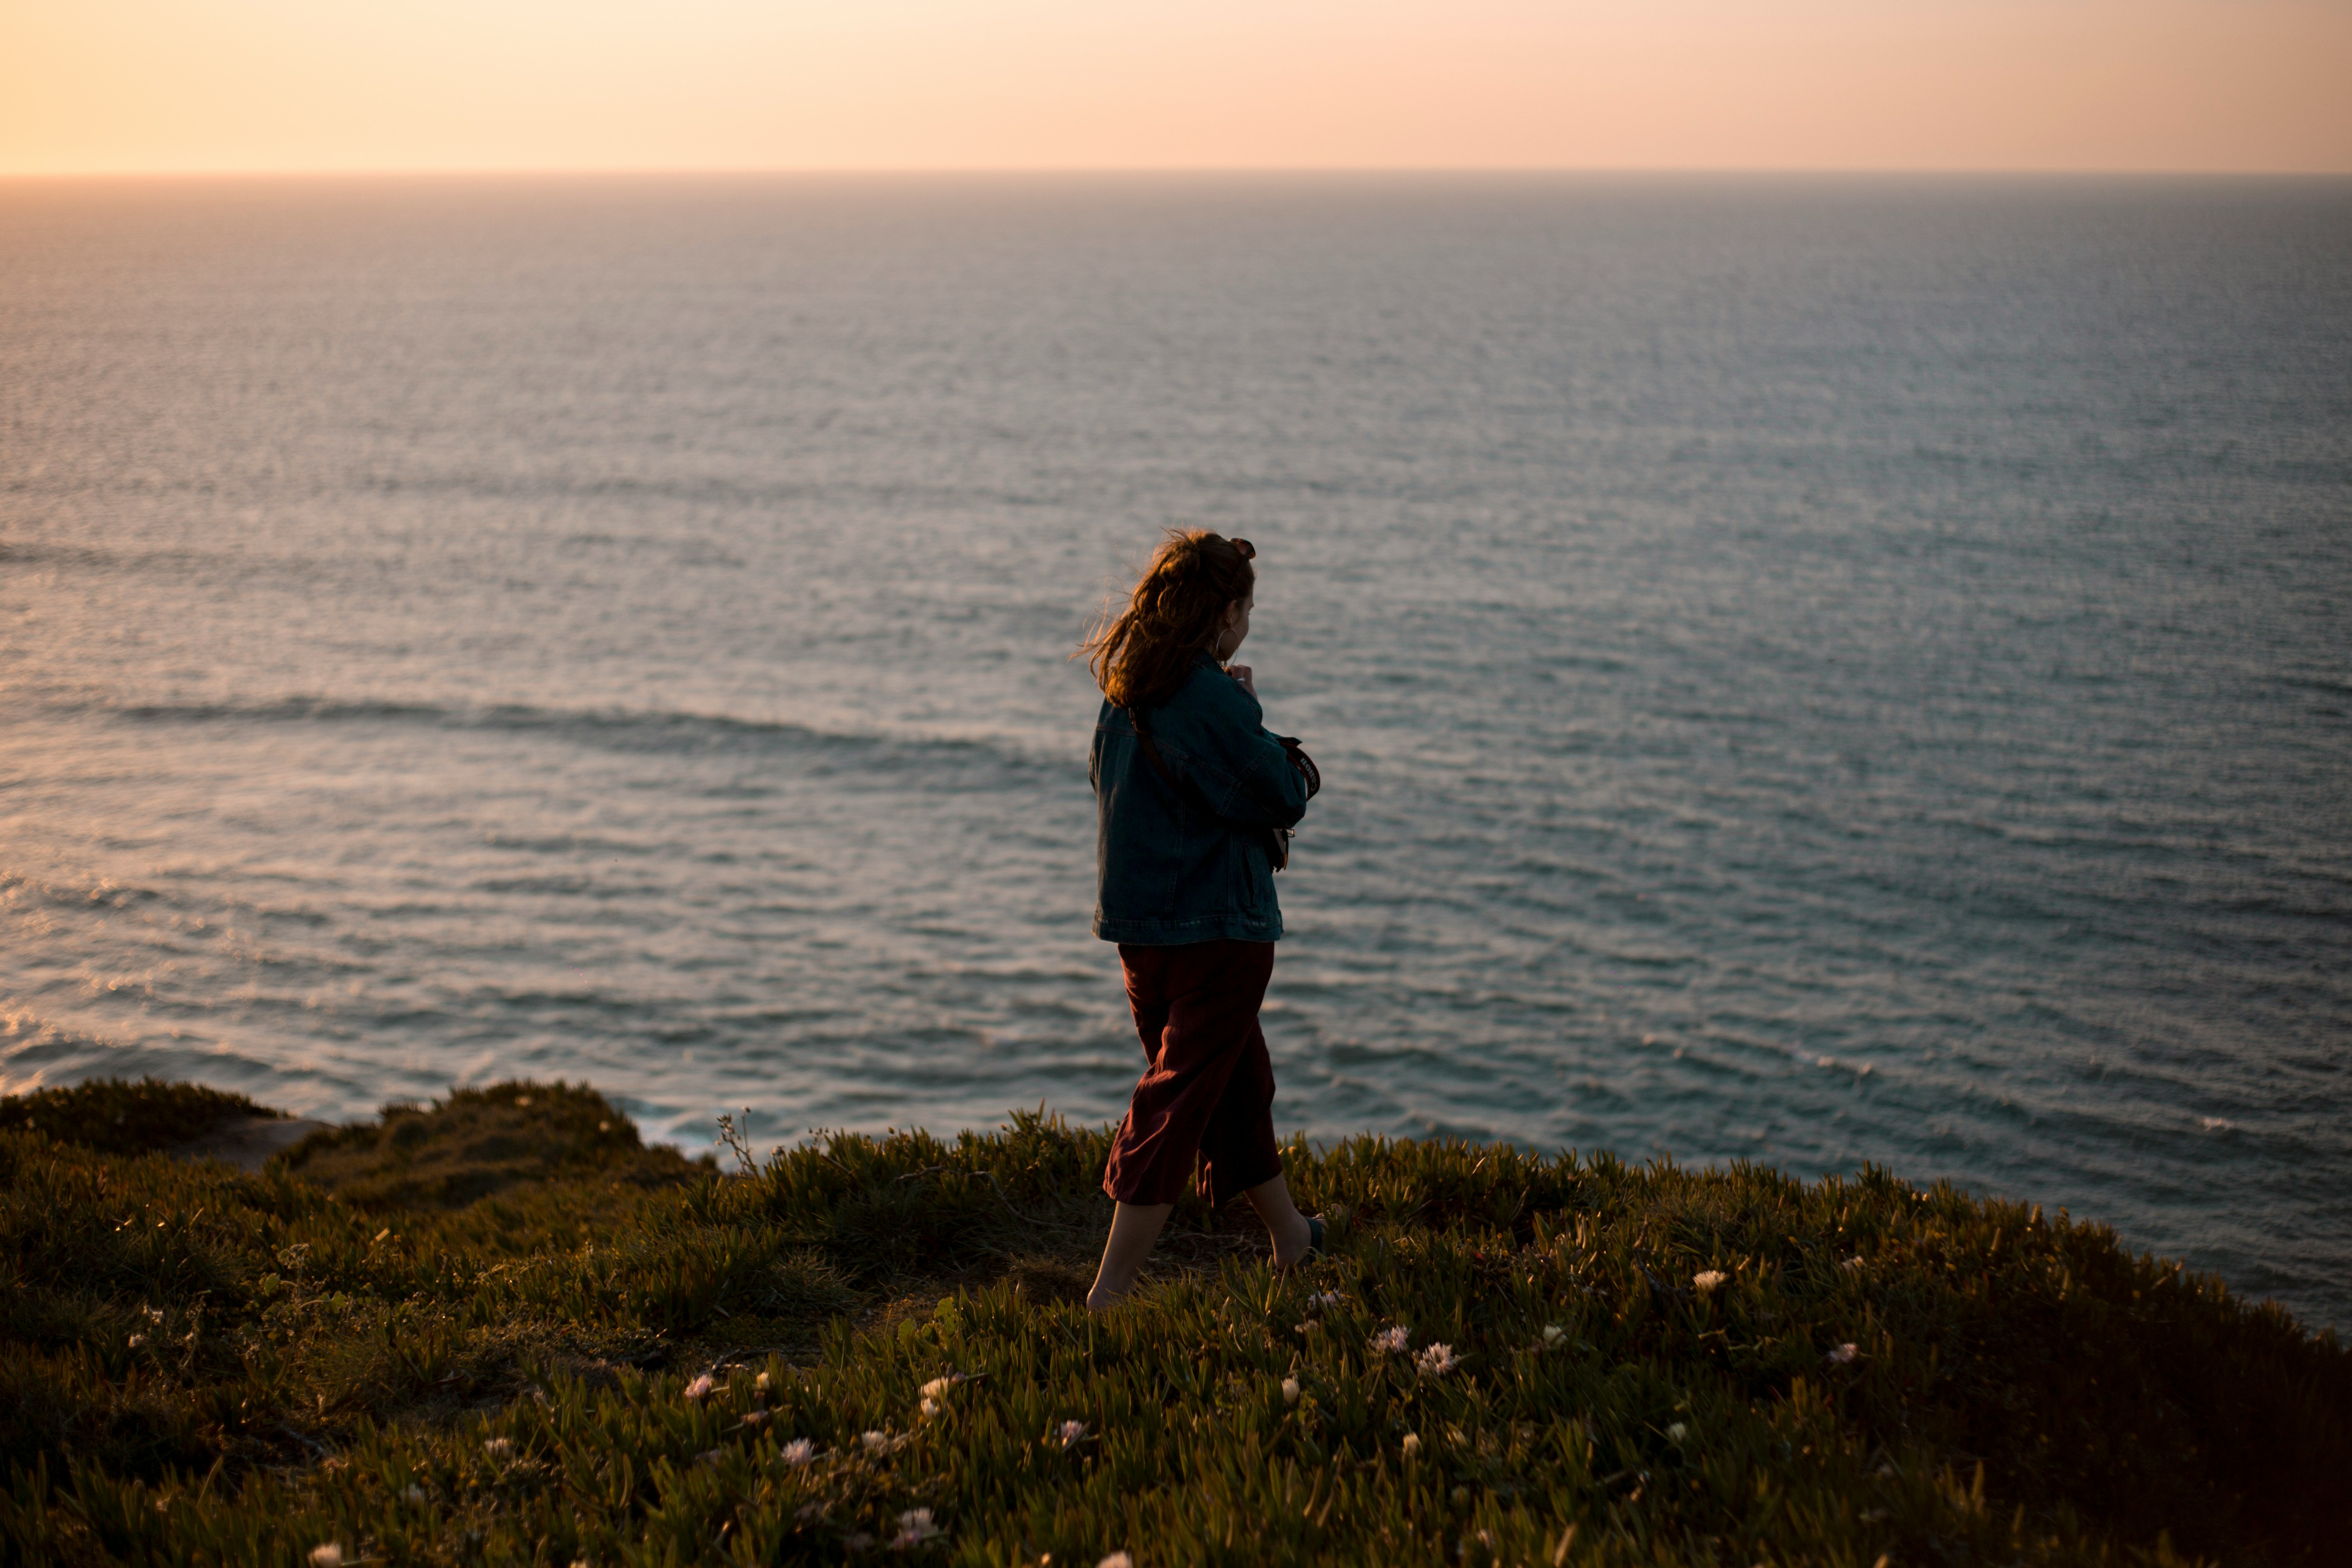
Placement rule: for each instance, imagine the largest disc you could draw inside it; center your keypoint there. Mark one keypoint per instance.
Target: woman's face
(1236, 630)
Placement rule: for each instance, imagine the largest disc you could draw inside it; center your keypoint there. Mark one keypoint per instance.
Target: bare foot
(1133, 1229)
(1292, 1241)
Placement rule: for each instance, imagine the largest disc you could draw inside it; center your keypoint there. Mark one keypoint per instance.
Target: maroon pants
(1209, 1089)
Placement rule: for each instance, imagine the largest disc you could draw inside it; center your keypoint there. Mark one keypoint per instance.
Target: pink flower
(1843, 1354)
(1436, 1361)
(698, 1387)
(1393, 1340)
(1069, 1434)
(798, 1452)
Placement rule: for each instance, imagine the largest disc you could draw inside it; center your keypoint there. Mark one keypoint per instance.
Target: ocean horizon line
(1939, 173)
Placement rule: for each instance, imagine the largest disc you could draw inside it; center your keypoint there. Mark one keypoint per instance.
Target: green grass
(119, 1118)
(473, 1332)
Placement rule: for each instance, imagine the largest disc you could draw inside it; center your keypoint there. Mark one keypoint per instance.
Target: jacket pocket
(1247, 875)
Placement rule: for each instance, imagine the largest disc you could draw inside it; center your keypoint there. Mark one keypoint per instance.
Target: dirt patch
(248, 1142)
(477, 1144)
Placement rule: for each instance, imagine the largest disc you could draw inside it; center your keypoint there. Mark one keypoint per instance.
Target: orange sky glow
(229, 86)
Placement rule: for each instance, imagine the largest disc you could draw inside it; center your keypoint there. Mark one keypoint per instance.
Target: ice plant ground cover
(473, 1332)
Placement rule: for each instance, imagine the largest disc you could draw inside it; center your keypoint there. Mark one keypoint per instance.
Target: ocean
(1807, 672)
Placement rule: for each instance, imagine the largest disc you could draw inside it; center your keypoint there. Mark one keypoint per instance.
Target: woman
(1195, 801)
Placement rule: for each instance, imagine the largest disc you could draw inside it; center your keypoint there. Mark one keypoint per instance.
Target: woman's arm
(1217, 731)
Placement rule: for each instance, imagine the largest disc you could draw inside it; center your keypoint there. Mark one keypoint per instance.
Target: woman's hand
(1241, 674)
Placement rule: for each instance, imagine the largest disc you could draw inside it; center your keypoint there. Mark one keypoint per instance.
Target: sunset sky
(140, 86)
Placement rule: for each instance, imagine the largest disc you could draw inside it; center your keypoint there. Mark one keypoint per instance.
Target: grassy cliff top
(498, 1327)
(118, 1117)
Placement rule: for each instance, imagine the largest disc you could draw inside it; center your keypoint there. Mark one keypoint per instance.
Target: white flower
(1069, 1433)
(915, 1527)
(1707, 1279)
(326, 1554)
(1290, 1391)
(1326, 1301)
(500, 1448)
(1844, 1354)
(698, 1387)
(1678, 1432)
(1117, 1560)
(938, 1386)
(799, 1451)
(930, 1407)
(1393, 1340)
(1412, 1445)
(875, 1442)
(138, 1340)
(1554, 1333)
(1852, 1265)
(761, 1385)
(414, 1494)
(1436, 1361)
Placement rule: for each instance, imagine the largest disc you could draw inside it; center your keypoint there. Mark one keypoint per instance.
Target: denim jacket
(1190, 865)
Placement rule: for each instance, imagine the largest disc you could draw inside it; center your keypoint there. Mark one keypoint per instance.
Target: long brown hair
(1142, 655)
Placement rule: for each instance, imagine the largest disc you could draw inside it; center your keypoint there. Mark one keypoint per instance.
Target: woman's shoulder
(1214, 696)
